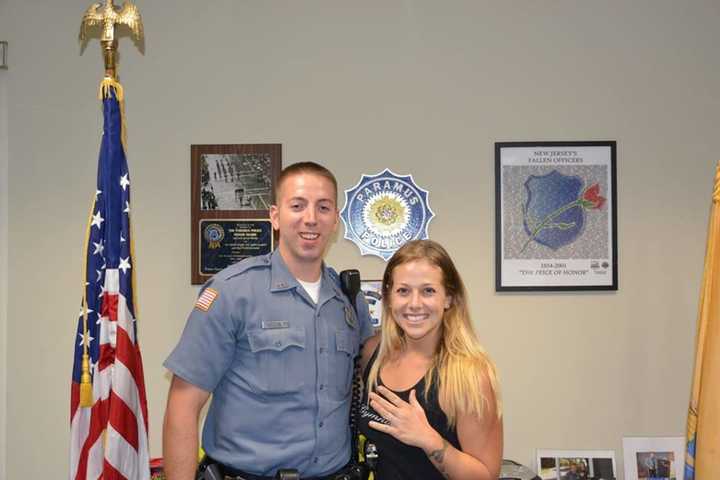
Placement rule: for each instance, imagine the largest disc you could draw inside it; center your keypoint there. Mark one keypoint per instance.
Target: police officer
(273, 339)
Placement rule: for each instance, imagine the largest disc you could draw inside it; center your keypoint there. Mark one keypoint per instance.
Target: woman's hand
(407, 421)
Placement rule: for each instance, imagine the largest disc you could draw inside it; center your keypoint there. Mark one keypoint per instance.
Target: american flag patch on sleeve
(206, 299)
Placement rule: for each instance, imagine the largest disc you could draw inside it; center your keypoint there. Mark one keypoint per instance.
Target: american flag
(109, 437)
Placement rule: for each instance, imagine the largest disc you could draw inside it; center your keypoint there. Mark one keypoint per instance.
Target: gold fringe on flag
(104, 92)
(86, 398)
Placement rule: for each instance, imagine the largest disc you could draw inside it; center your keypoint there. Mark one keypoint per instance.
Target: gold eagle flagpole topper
(107, 17)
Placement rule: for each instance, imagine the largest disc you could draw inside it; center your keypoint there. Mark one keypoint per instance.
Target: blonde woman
(431, 402)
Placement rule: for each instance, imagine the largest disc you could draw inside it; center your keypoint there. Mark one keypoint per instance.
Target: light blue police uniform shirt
(278, 365)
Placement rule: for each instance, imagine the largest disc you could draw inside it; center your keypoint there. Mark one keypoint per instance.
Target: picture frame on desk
(555, 216)
(654, 457)
(232, 189)
(576, 464)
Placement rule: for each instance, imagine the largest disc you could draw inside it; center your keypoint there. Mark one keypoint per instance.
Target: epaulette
(206, 285)
(261, 261)
(335, 278)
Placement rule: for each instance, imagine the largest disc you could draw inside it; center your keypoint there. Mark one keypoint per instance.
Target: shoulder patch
(245, 265)
(206, 299)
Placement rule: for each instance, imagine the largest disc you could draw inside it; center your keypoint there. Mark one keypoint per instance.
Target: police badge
(384, 211)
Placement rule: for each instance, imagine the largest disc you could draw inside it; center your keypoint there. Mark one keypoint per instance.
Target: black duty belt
(235, 474)
(240, 475)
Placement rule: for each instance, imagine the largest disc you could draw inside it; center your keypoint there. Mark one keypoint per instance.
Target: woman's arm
(367, 350)
(481, 439)
(481, 443)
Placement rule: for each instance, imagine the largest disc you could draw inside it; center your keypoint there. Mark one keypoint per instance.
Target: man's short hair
(305, 168)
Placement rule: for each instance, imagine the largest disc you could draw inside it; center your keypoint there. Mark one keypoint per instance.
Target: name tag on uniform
(274, 324)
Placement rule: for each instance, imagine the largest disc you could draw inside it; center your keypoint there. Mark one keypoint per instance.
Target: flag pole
(109, 421)
(107, 17)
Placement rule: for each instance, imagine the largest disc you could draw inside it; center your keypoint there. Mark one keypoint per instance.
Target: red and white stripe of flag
(109, 440)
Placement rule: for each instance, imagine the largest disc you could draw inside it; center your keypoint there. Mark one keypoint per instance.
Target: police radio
(350, 284)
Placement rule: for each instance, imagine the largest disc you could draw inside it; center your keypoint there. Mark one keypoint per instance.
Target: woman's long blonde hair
(460, 362)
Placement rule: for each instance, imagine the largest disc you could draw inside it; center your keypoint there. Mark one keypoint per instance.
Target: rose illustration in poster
(554, 213)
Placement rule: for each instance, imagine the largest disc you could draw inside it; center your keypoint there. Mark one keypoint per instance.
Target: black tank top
(397, 461)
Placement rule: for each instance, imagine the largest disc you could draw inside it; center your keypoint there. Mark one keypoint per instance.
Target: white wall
(423, 88)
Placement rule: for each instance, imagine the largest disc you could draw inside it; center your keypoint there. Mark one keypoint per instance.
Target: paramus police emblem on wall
(384, 211)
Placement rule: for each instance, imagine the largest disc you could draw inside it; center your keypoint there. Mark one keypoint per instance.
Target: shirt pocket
(277, 359)
(341, 366)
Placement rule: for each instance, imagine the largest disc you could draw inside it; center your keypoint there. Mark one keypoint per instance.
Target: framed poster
(372, 289)
(654, 458)
(576, 464)
(232, 188)
(555, 216)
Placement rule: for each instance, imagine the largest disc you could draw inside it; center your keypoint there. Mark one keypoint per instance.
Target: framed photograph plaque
(372, 289)
(555, 216)
(648, 458)
(576, 465)
(232, 188)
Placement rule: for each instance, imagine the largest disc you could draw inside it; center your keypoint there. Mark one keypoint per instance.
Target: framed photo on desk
(557, 464)
(654, 457)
